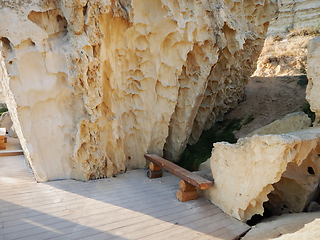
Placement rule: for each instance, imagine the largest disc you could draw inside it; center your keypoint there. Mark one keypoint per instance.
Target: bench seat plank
(180, 172)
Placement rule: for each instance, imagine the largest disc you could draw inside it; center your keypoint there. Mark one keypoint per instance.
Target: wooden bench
(3, 138)
(189, 180)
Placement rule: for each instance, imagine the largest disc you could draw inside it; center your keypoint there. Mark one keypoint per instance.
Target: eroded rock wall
(282, 170)
(96, 84)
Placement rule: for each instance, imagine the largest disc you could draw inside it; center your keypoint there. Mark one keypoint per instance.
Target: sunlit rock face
(295, 14)
(313, 71)
(282, 171)
(93, 85)
(292, 122)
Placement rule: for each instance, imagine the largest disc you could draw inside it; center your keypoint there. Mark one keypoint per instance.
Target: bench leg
(154, 171)
(3, 142)
(187, 192)
(154, 174)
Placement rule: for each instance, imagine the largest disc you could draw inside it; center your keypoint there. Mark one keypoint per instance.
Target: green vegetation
(306, 109)
(198, 153)
(289, 28)
(248, 120)
(3, 109)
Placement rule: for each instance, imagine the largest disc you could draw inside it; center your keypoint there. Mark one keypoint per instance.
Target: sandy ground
(268, 99)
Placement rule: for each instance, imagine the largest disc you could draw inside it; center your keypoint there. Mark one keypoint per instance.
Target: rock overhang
(93, 85)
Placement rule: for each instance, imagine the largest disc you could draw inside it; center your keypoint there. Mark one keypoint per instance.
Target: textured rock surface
(281, 169)
(5, 121)
(205, 165)
(12, 132)
(2, 97)
(93, 85)
(300, 226)
(290, 123)
(295, 14)
(313, 87)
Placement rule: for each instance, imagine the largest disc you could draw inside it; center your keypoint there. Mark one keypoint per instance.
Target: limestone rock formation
(93, 85)
(313, 72)
(5, 121)
(295, 14)
(2, 98)
(295, 226)
(281, 169)
(290, 123)
(12, 132)
(205, 165)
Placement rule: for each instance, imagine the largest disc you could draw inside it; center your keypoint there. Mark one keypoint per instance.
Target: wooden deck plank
(142, 206)
(129, 206)
(179, 224)
(145, 226)
(91, 204)
(91, 207)
(161, 215)
(91, 215)
(72, 217)
(59, 202)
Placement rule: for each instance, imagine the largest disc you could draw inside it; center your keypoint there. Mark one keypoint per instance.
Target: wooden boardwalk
(129, 206)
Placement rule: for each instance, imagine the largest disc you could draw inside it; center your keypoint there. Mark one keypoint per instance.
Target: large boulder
(5, 121)
(295, 226)
(93, 85)
(282, 170)
(313, 87)
(290, 123)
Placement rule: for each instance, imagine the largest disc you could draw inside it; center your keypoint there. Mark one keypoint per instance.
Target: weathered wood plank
(180, 172)
(165, 214)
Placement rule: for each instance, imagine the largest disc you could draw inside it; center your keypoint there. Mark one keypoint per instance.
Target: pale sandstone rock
(295, 14)
(93, 85)
(300, 226)
(290, 123)
(205, 165)
(5, 121)
(281, 169)
(2, 98)
(309, 232)
(313, 72)
(12, 132)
